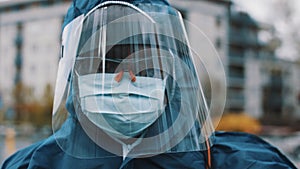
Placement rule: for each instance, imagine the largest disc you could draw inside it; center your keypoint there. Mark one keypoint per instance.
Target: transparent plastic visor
(128, 85)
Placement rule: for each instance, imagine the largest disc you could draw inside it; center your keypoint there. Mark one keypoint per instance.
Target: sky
(260, 9)
(257, 8)
(263, 11)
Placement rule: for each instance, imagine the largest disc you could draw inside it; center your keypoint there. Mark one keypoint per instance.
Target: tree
(22, 96)
(30, 109)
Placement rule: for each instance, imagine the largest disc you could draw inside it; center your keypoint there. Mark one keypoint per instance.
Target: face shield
(133, 84)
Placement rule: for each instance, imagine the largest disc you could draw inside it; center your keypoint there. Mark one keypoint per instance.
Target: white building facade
(31, 30)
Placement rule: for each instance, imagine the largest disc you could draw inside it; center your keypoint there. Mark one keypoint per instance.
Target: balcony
(243, 19)
(18, 61)
(236, 72)
(235, 104)
(232, 94)
(243, 39)
(19, 40)
(236, 82)
(236, 61)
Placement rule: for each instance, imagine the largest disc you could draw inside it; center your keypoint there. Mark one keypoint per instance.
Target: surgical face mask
(122, 108)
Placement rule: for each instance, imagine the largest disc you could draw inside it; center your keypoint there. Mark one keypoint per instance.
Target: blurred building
(211, 17)
(207, 24)
(280, 87)
(259, 83)
(29, 46)
(243, 44)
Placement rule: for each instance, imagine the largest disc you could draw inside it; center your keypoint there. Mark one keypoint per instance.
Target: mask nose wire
(119, 76)
(132, 76)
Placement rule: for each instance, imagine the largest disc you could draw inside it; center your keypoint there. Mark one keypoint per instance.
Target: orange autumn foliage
(239, 122)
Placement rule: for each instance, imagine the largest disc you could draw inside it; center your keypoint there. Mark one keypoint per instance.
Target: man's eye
(145, 73)
(110, 67)
(150, 73)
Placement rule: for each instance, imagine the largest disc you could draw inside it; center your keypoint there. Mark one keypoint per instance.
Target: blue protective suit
(230, 150)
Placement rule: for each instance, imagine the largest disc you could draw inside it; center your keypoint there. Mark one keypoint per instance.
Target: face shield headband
(133, 82)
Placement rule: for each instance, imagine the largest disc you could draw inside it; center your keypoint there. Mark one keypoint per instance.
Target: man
(128, 95)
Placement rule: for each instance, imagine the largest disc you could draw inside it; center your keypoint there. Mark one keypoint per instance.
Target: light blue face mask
(122, 109)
